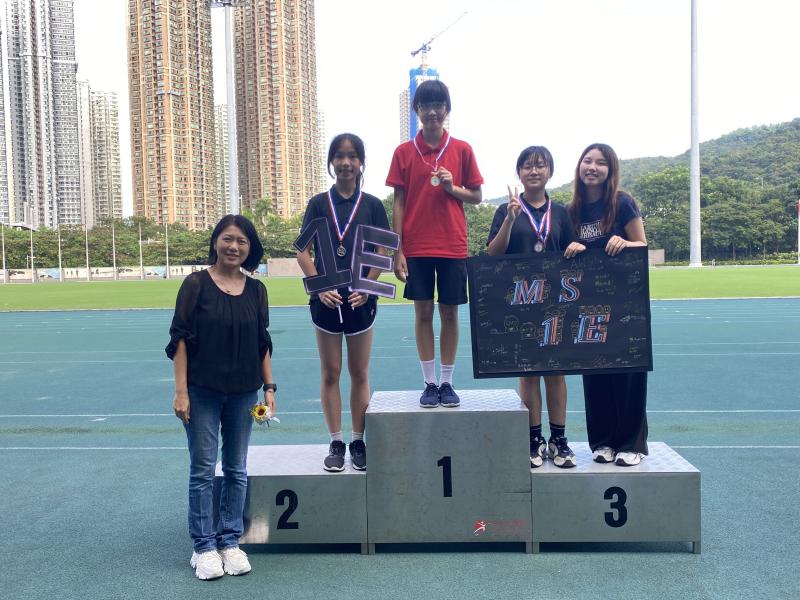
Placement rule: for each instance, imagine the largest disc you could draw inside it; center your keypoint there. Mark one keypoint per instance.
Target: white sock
(428, 371)
(447, 374)
(336, 437)
(357, 436)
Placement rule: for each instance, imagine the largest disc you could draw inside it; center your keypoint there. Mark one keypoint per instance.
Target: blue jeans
(209, 413)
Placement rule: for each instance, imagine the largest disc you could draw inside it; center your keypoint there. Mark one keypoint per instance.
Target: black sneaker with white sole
(358, 455)
(538, 451)
(561, 453)
(335, 459)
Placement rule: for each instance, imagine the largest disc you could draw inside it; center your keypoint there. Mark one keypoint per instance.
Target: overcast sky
(560, 73)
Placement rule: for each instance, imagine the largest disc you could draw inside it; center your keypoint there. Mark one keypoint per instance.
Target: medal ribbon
(339, 232)
(542, 230)
(435, 164)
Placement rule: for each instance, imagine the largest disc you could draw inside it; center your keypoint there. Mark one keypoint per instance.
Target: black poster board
(543, 314)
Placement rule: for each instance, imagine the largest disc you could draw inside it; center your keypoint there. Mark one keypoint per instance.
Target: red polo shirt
(434, 223)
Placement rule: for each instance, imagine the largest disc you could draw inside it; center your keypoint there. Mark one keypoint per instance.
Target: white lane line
(319, 412)
(735, 447)
(148, 448)
(93, 448)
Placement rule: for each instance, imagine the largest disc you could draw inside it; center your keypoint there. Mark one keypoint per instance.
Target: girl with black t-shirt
(343, 312)
(531, 223)
(605, 217)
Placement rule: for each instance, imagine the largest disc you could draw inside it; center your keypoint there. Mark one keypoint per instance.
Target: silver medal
(435, 181)
(538, 246)
(341, 251)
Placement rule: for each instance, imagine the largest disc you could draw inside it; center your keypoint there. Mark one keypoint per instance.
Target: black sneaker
(448, 396)
(538, 451)
(430, 397)
(358, 455)
(561, 453)
(335, 459)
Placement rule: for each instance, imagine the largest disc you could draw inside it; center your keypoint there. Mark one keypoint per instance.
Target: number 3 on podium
(618, 495)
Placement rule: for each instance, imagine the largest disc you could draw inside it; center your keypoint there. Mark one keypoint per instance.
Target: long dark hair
(358, 146)
(243, 223)
(610, 189)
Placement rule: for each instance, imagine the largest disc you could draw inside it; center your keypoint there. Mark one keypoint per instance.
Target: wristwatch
(270, 386)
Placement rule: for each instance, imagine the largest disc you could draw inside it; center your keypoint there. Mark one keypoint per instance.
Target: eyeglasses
(539, 166)
(432, 106)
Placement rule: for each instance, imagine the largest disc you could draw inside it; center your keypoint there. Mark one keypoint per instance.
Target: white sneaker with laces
(235, 561)
(603, 454)
(207, 565)
(629, 459)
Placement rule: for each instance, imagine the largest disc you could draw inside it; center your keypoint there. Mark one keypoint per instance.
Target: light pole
(166, 247)
(141, 260)
(695, 247)
(60, 269)
(33, 268)
(3, 238)
(114, 251)
(86, 238)
(233, 169)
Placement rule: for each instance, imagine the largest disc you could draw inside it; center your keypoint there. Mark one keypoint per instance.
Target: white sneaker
(207, 565)
(629, 459)
(235, 561)
(603, 454)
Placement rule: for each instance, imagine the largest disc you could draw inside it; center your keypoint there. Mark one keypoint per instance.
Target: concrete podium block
(292, 500)
(655, 501)
(448, 474)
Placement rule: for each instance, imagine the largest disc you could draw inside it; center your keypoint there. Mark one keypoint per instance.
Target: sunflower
(260, 413)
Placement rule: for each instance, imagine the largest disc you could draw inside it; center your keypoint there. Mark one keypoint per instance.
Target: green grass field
(665, 283)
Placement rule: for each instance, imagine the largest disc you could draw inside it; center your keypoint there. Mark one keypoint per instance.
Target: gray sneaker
(335, 459)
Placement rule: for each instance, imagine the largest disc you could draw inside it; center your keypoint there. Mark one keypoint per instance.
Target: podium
(658, 500)
(463, 475)
(292, 500)
(448, 474)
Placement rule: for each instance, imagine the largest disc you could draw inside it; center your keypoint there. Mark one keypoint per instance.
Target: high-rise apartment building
(106, 178)
(223, 190)
(172, 111)
(278, 141)
(101, 184)
(6, 197)
(85, 152)
(43, 112)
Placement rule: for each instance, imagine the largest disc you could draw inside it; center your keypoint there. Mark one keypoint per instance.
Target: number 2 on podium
(447, 476)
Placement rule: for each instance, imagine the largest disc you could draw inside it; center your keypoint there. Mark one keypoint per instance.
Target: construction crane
(427, 45)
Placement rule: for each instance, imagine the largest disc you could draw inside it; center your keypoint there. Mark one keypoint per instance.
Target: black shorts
(353, 321)
(448, 274)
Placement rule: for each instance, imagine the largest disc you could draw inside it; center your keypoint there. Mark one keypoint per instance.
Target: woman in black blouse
(530, 223)
(221, 350)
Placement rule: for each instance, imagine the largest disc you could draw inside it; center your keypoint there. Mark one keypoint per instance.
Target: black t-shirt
(226, 336)
(590, 234)
(522, 238)
(370, 212)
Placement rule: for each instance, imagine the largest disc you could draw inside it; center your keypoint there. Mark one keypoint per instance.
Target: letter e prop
(376, 236)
